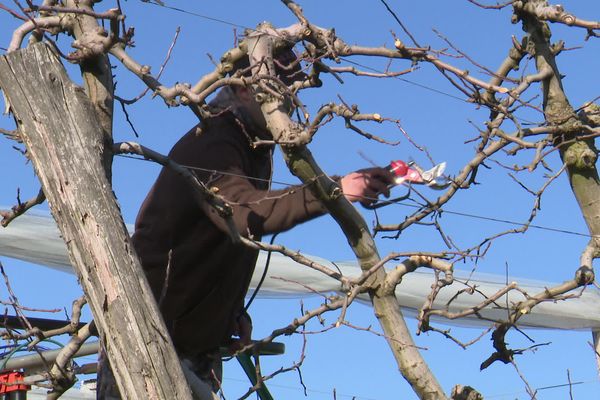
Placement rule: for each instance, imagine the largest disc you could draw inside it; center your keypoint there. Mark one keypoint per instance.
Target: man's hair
(287, 67)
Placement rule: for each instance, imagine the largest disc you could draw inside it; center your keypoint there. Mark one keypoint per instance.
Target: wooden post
(64, 141)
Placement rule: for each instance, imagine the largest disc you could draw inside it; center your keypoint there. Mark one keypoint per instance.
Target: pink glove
(366, 184)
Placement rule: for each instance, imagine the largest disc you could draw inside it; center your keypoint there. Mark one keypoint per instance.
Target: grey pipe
(38, 360)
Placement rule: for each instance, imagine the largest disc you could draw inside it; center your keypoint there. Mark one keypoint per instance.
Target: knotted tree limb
(97, 77)
(511, 62)
(554, 13)
(579, 156)
(577, 152)
(62, 374)
(302, 164)
(59, 22)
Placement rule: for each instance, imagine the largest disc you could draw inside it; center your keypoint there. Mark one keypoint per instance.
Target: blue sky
(433, 113)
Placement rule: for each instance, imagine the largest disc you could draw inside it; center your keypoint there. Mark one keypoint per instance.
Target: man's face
(252, 106)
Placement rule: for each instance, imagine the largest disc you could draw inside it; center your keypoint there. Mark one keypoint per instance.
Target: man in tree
(198, 274)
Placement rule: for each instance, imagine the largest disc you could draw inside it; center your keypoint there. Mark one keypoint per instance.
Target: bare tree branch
(21, 208)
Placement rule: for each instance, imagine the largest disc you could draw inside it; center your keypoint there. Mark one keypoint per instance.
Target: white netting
(36, 239)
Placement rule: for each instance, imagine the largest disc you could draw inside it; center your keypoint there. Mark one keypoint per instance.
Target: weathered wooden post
(64, 141)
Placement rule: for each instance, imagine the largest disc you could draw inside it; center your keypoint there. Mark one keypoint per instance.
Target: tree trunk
(579, 155)
(64, 140)
(411, 364)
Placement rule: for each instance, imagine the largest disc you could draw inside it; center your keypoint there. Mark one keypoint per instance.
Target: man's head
(286, 63)
(240, 100)
(287, 69)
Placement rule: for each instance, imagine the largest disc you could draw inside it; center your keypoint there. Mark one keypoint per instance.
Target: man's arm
(259, 212)
(269, 211)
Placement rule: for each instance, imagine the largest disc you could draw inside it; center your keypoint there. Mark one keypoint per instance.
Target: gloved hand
(366, 184)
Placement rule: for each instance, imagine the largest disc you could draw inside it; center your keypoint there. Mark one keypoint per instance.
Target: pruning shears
(413, 174)
(409, 173)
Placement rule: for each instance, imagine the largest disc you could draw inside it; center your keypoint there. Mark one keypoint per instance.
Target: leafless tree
(68, 138)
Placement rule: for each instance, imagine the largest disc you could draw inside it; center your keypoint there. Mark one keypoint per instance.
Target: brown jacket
(208, 275)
